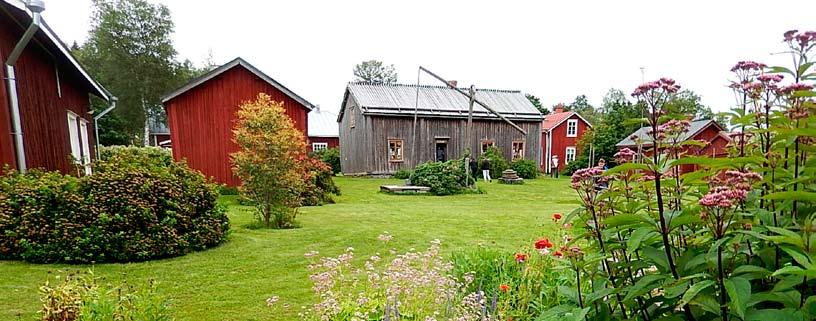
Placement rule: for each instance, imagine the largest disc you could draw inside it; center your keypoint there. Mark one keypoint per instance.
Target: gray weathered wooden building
(377, 126)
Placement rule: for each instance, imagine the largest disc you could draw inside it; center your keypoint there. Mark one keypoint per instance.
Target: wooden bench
(397, 189)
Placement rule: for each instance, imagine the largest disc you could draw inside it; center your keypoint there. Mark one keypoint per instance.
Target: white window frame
(319, 146)
(570, 151)
(397, 154)
(572, 124)
(73, 136)
(78, 134)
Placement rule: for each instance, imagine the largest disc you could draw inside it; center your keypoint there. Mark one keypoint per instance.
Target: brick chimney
(453, 83)
(559, 108)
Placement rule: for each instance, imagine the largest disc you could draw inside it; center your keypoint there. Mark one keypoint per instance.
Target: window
(570, 155)
(572, 128)
(80, 145)
(518, 149)
(352, 118)
(319, 146)
(487, 143)
(395, 150)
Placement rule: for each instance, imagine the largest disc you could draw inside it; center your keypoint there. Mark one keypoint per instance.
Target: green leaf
(798, 256)
(801, 196)
(785, 236)
(695, 289)
(637, 237)
(644, 285)
(657, 256)
(579, 315)
(773, 315)
(624, 220)
(739, 292)
(751, 271)
(795, 270)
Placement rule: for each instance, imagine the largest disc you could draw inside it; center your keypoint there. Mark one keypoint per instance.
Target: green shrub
(227, 190)
(319, 186)
(573, 166)
(497, 161)
(134, 207)
(444, 178)
(330, 156)
(525, 168)
(83, 297)
(403, 173)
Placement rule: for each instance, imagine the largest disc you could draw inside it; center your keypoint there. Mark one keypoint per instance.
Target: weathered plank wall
(355, 152)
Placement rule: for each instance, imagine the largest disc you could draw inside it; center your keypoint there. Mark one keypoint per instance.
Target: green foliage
(130, 50)
(375, 72)
(537, 103)
(525, 168)
(497, 161)
(134, 207)
(531, 286)
(319, 183)
(84, 297)
(330, 156)
(271, 161)
(403, 173)
(733, 240)
(444, 178)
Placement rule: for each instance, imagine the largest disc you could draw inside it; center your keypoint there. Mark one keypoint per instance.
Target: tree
(130, 51)
(687, 103)
(271, 161)
(373, 71)
(581, 105)
(537, 103)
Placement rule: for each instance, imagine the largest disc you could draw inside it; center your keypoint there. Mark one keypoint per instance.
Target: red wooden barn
(560, 133)
(52, 93)
(324, 131)
(201, 115)
(707, 131)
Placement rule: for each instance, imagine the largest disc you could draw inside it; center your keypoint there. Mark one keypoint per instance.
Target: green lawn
(232, 281)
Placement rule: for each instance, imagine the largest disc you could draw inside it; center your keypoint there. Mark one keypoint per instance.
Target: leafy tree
(373, 71)
(582, 106)
(688, 103)
(537, 103)
(130, 51)
(271, 161)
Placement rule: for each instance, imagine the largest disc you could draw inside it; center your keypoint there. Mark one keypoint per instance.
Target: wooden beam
(474, 100)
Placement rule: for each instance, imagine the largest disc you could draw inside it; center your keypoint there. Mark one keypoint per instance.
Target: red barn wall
(333, 142)
(43, 112)
(202, 119)
(560, 141)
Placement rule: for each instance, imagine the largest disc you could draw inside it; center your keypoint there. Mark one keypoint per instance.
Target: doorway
(441, 151)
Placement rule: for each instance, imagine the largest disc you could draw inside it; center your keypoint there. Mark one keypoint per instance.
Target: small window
(487, 143)
(572, 128)
(319, 146)
(395, 150)
(518, 149)
(352, 118)
(570, 155)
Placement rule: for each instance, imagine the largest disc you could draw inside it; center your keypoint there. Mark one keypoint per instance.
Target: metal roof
(53, 44)
(643, 133)
(554, 120)
(438, 101)
(323, 124)
(236, 62)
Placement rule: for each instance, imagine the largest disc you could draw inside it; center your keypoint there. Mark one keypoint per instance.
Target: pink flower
(789, 89)
(789, 34)
(624, 156)
(567, 226)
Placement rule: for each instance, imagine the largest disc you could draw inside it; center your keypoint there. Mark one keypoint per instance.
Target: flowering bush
(732, 240)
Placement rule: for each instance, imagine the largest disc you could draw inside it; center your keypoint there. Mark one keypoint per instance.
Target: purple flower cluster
(748, 65)
(665, 84)
(585, 177)
(624, 156)
(770, 78)
(789, 89)
(731, 188)
(804, 39)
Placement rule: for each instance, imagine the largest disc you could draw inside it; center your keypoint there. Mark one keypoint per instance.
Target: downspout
(549, 151)
(96, 118)
(36, 7)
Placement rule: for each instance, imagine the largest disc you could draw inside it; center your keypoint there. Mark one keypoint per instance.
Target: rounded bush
(444, 178)
(135, 207)
(525, 168)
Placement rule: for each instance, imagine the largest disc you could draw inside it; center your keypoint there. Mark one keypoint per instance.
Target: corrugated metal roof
(553, 120)
(323, 124)
(643, 133)
(438, 101)
(157, 126)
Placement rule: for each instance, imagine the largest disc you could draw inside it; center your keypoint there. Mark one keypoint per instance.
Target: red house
(560, 133)
(201, 115)
(324, 131)
(45, 114)
(715, 141)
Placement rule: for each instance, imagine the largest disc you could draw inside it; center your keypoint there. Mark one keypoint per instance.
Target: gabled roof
(696, 127)
(556, 119)
(236, 62)
(50, 42)
(323, 124)
(437, 101)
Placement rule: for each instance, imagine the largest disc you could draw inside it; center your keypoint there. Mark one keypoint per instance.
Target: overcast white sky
(553, 49)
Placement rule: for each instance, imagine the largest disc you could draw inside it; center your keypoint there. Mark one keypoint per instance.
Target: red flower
(504, 287)
(558, 253)
(556, 216)
(521, 257)
(543, 244)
